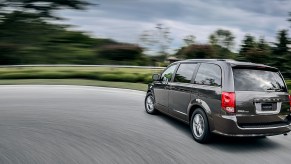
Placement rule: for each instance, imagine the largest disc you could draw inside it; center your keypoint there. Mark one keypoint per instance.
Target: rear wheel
(199, 126)
(149, 104)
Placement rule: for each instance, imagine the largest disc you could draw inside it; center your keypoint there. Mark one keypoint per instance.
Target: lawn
(129, 78)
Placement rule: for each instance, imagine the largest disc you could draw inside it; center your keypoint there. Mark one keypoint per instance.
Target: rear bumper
(227, 125)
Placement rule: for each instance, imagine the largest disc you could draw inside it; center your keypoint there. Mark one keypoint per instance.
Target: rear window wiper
(274, 90)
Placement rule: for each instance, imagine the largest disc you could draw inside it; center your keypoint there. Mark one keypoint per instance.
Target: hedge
(105, 76)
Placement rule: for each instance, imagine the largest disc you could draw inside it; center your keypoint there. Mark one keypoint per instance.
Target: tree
(222, 41)
(27, 37)
(223, 38)
(8, 55)
(42, 8)
(23, 32)
(120, 52)
(248, 44)
(157, 40)
(264, 51)
(189, 39)
(196, 51)
(253, 51)
(281, 53)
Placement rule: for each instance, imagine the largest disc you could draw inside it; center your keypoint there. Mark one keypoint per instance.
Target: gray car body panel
(183, 98)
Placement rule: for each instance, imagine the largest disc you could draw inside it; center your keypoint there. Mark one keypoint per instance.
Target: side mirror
(156, 77)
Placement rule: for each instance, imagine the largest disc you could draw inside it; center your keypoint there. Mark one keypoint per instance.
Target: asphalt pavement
(84, 125)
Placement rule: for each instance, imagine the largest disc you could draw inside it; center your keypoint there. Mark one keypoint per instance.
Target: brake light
(290, 102)
(228, 101)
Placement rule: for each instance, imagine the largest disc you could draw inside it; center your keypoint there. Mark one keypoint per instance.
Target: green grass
(126, 85)
(129, 78)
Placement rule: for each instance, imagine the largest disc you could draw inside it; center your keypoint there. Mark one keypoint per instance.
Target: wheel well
(192, 109)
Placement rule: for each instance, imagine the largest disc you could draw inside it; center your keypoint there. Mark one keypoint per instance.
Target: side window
(168, 73)
(185, 72)
(208, 74)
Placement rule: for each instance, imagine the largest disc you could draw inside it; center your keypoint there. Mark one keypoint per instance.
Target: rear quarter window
(208, 74)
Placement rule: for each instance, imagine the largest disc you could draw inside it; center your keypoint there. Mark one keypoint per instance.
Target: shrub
(78, 74)
(288, 82)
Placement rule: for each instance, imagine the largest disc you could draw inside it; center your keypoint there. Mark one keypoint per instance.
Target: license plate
(267, 107)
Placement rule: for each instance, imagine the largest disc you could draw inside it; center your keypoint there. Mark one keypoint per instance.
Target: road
(79, 124)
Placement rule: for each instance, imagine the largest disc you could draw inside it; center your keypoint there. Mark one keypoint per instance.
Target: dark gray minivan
(225, 97)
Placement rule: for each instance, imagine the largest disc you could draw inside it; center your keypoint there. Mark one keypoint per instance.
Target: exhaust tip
(285, 134)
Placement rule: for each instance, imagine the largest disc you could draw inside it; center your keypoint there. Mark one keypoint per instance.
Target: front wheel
(149, 104)
(199, 126)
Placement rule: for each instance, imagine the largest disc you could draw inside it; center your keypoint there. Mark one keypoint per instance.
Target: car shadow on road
(239, 144)
(228, 144)
(179, 125)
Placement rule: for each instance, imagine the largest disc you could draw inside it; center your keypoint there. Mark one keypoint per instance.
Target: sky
(125, 20)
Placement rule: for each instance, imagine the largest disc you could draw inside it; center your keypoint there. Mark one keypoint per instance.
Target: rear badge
(242, 111)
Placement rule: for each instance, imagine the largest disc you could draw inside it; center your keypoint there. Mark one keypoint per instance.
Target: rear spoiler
(256, 66)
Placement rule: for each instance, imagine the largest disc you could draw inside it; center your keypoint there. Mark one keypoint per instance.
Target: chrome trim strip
(265, 128)
(248, 135)
(180, 112)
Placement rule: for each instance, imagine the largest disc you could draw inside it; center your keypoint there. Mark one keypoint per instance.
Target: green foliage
(222, 41)
(157, 40)
(27, 36)
(123, 75)
(120, 52)
(281, 54)
(288, 82)
(222, 52)
(196, 51)
(42, 8)
(27, 39)
(189, 39)
(223, 38)
(254, 51)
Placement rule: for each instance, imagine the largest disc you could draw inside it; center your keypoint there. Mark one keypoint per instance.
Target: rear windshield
(258, 80)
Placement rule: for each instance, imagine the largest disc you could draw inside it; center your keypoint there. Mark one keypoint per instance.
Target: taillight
(228, 101)
(290, 102)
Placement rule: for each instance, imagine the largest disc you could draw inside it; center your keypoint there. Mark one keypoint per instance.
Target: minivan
(225, 97)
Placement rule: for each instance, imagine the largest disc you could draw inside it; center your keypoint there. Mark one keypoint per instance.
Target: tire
(200, 127)
(149, 103)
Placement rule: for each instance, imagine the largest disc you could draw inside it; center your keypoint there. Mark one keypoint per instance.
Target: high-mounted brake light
(228, 101)
(290, 102)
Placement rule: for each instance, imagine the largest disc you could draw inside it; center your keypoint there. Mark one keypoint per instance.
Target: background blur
(135, 33)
